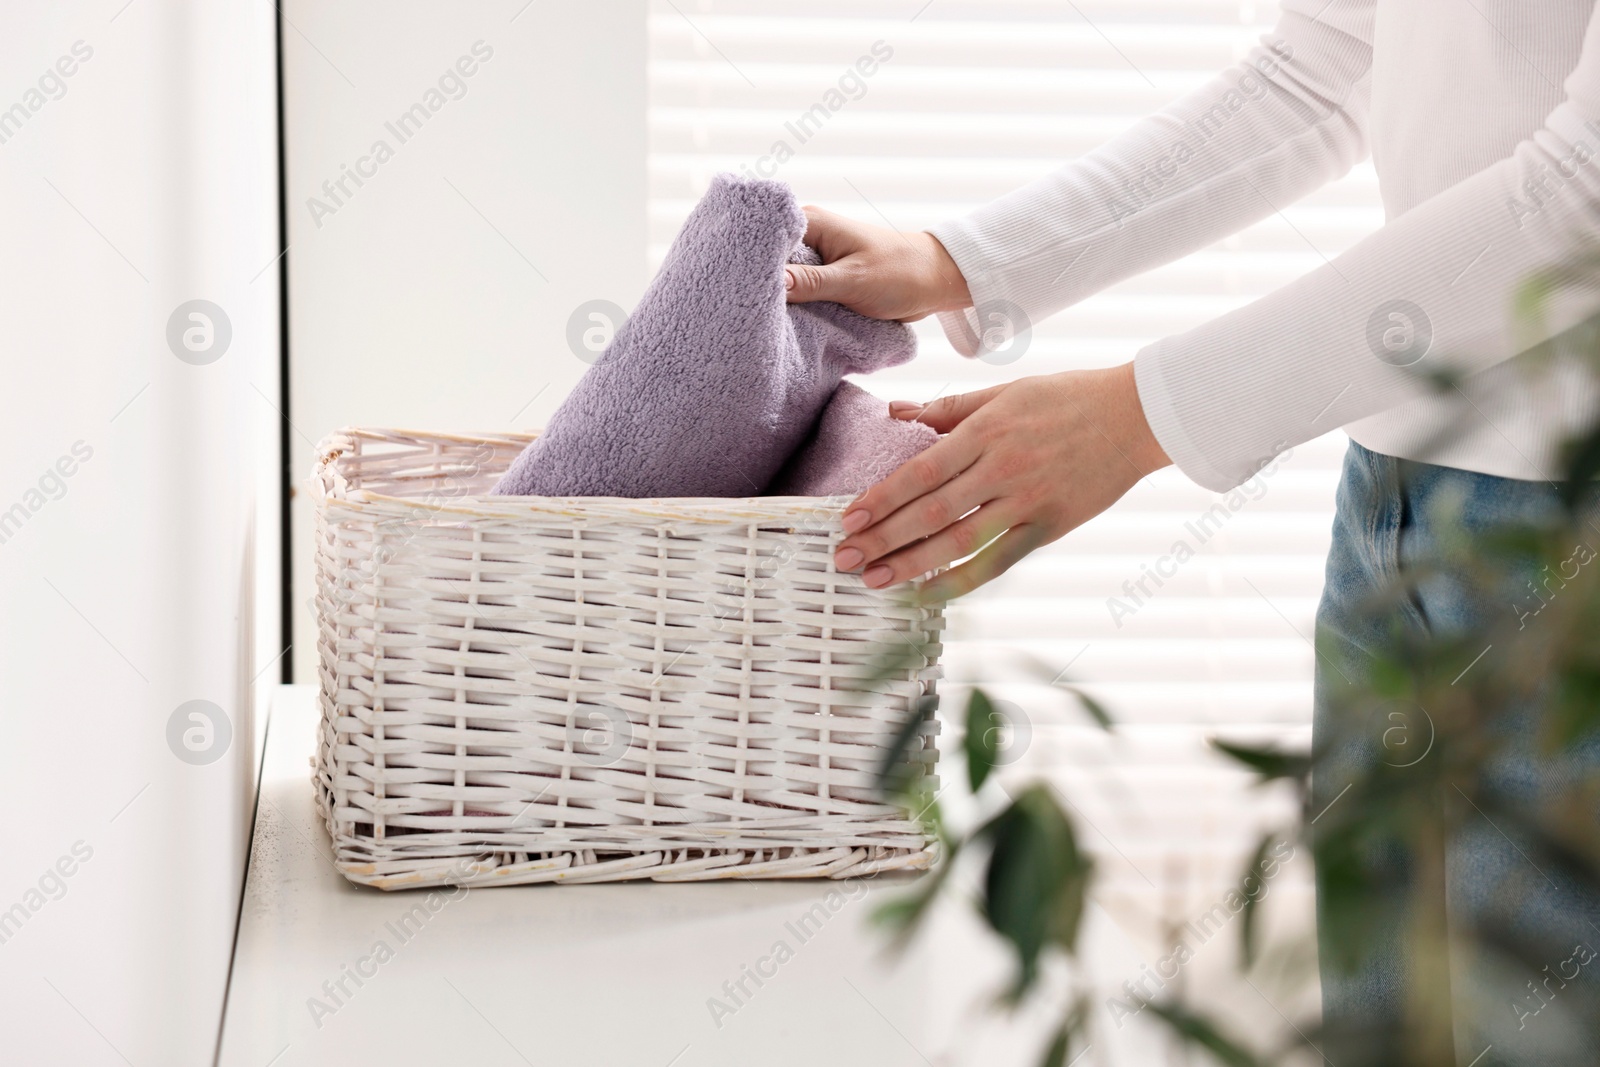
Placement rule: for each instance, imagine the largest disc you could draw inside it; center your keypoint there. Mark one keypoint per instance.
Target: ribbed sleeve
(1468, 227)
(1230, 394)
(1287, 118)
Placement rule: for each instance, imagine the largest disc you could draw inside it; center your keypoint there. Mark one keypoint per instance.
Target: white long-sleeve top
(1483, 121)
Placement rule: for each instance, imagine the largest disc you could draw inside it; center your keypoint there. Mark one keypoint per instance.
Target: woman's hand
(1023, 464)
(878, 272)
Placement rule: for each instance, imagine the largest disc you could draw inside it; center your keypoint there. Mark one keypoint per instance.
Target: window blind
(965, 101)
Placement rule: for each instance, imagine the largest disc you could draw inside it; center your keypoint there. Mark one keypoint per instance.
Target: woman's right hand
(876, 271)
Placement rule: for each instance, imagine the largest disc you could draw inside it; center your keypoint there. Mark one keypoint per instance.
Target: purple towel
(856, 444)
(714, 381)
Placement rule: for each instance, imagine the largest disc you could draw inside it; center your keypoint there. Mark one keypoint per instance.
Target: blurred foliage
(1035, 879)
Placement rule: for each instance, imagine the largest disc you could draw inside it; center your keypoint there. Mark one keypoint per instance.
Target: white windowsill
(603, 974)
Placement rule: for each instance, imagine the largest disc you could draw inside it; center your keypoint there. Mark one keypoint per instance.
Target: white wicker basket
(531, 689)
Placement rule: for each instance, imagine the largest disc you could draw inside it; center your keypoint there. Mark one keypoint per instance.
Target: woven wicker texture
(526, 689)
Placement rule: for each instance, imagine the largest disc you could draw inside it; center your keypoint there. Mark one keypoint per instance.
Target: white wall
(436, 293)
(144, 180)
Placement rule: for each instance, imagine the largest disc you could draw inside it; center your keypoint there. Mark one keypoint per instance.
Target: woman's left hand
(1024, 463)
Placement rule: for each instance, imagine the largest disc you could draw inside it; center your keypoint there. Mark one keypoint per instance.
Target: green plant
(1036, 879)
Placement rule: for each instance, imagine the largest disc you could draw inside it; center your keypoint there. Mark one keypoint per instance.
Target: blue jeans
(1388, 518)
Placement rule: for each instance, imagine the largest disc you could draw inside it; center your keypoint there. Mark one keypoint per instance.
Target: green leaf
(1531, 298)
(1247, 915)
(1036, 881)
(1074, 1024)
(1577, 706)
(1198, 1030)
(1051, 677)
(1095, 709)
(1390, 673)
(1443, 379)
(1270, 763)
(1512, 542)
(1361, 899)
(1060, 1045)
(984, 723)
(896, 771)
(902, 915)
(921, 801)
(1582, 456)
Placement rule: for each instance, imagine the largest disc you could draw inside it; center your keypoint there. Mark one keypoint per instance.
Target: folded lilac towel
(856, 443)
(714, 381)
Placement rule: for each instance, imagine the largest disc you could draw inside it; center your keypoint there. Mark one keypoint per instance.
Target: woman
(1483, 121)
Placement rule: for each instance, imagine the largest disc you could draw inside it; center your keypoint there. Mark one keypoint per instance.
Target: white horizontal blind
(978, 97)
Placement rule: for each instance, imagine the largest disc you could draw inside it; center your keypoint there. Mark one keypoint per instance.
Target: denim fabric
(1387, 518)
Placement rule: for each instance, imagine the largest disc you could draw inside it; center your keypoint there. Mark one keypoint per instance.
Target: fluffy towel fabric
(714, 381)
(856, 444)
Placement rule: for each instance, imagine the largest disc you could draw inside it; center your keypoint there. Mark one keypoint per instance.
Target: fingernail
(878, 575)
(788, 280)
(849, 559)
(904, 409)
(856, 520)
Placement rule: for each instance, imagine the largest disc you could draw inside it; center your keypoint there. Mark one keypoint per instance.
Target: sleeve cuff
(963, 239)
(961, 326)
(1161, 412)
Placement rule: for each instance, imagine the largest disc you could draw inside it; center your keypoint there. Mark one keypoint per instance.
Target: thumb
(947, 412)
(804, 283)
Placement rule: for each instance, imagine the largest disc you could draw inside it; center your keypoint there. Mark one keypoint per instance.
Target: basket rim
(331, 491)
